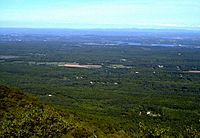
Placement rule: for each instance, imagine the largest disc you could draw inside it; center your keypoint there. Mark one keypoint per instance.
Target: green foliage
(32, 121)
(153, 131)
(29, 119)
(81, 131)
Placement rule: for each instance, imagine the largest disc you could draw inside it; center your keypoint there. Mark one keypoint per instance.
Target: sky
(100, 13)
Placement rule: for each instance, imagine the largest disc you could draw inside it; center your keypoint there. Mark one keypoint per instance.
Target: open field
(81, 66)
(193, 71)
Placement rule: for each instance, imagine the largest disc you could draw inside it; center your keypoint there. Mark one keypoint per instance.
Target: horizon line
(107, 28)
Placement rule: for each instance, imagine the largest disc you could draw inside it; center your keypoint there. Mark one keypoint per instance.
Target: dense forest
(137, 91)
(22, 115)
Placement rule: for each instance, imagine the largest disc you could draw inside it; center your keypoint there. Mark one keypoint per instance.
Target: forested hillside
(22, 115)
(100, 86)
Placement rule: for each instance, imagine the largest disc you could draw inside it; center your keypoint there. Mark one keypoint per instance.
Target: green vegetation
(147, 94)
(24, 116)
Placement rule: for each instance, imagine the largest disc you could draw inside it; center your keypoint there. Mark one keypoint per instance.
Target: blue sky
(100, 13)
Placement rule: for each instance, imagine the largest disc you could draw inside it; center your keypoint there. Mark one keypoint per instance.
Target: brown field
(81, 66)
(193, 71)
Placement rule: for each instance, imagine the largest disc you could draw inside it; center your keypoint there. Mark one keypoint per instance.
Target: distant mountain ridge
(111, 31)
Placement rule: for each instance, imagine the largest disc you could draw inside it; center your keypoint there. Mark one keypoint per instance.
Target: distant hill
(101, 32)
